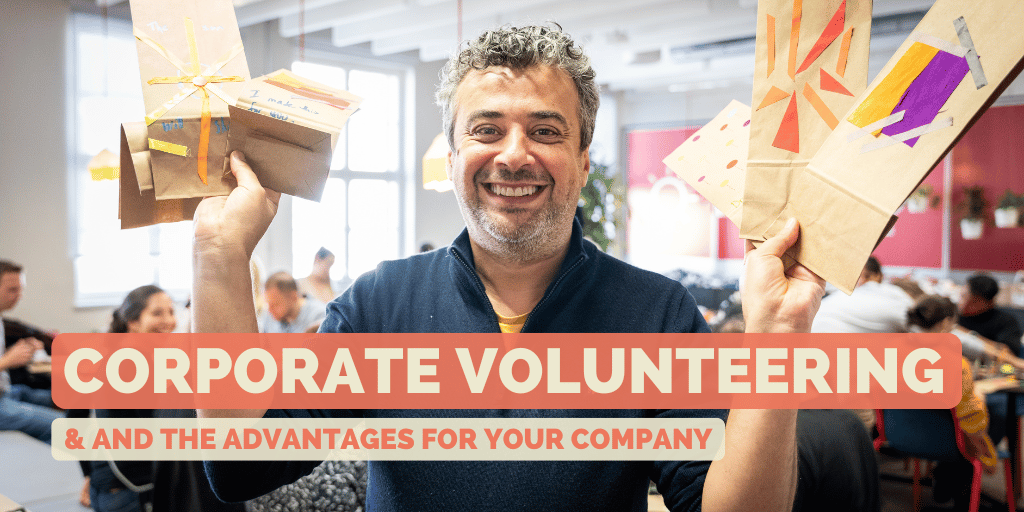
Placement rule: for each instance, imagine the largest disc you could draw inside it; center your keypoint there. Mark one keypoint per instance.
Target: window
(359, 218)
(104, 91)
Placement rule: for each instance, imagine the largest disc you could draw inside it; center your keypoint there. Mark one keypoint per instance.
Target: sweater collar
(577, 252)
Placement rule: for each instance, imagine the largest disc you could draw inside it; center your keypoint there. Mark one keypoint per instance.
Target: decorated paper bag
(192, 67)
(811, 61)
(714, 160)
(939, 82)
(138, 204)
(287, 127)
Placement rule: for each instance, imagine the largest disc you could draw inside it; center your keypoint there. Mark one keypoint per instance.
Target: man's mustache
(507, 175)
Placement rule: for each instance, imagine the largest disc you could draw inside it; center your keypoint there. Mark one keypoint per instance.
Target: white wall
(33, 176)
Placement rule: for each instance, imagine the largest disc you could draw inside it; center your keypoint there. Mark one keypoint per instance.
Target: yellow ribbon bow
(201, 81)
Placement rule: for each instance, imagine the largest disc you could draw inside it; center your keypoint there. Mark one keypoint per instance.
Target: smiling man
(518, 105)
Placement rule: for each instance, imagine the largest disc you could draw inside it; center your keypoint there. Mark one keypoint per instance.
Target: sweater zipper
(551, 290)
(480, 288)
(490, 308)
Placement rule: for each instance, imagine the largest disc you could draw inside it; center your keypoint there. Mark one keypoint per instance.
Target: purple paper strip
(928, 93)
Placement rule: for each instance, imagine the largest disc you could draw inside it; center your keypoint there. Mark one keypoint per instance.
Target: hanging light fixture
(434, 162)
(104, 166)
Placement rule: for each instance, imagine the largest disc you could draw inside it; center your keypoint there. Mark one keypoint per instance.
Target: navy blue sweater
(441, 292)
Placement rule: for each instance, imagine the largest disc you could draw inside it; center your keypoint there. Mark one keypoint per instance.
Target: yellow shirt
(512, 325)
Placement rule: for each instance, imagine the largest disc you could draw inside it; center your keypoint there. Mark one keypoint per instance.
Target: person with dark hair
(120, 486)
(287, 311)
(518, 106)
(978, 313)
(935, 314)
(874, 306)
(22, 408)
(317, 285)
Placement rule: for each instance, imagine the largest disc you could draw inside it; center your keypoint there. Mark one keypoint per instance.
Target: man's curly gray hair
(517, 49)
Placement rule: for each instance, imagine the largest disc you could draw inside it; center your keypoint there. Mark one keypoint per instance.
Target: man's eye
(486, 130)
(546, 133)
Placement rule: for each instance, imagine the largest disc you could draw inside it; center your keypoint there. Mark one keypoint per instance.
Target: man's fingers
(247, 179)
(242, 172)
(783, 240)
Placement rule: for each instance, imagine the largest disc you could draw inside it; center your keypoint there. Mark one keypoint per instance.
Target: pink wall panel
(916, 240)
(991, 154)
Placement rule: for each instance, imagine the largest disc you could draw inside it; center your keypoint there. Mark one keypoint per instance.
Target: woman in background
(935, 314)
(118, 486)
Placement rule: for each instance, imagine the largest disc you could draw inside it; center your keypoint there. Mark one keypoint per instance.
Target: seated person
(978, 313)
(119, 485)
(936, 314)
(21, 407)
(287, 311)
(874, 306)
(317, 285)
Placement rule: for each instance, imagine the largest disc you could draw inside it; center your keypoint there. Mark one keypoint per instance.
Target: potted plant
(1008, 210)
(600, 199)
(972, 211)
(922, 198)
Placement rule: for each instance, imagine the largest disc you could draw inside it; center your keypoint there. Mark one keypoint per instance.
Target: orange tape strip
(204, 136)
(820, 106)
(886, 95)
(844, 53)
(794, 37)
(771, 44)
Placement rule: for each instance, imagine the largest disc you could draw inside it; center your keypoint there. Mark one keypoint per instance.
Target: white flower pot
(1006, 217)
(971, 229)
(917, 204)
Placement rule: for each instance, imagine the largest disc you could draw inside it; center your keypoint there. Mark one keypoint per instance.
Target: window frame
(405, 172)
(76, 178)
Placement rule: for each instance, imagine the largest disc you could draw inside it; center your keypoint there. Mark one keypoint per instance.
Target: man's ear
(585, 170)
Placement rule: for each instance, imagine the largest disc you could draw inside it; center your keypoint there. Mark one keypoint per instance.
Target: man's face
(517, 165)
(10, 290)
(280, 303)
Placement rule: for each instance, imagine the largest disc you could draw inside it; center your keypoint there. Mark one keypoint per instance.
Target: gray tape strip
(884, 142)
(972, 54)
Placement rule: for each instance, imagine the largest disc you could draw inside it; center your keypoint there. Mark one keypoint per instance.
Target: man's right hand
(19, 354)
(236, 221)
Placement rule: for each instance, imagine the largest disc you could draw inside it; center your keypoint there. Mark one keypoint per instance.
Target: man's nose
(515, 154)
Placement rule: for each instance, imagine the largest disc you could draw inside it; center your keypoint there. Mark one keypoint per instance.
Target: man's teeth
(513, 191)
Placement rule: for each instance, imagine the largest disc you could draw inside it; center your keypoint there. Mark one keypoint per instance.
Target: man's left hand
(776, 299)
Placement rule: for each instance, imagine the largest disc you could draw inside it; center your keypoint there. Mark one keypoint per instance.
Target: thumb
(242, 172)
(783, 240)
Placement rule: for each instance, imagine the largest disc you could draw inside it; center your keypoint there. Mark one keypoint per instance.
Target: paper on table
(287, 127)
(713, 160)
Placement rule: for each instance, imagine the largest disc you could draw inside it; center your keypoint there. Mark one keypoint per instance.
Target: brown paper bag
(714, 160)
(811, 62)
(138, 205)
(287, 127)
(192, 67)
(939, 82)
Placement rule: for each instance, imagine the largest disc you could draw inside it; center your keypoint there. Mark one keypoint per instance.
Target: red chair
(933, 434)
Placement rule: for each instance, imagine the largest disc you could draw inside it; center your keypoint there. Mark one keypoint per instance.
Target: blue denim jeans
(28, 410)
(117, 500)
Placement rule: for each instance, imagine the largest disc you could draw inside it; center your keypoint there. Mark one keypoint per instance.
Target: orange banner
(506, 371)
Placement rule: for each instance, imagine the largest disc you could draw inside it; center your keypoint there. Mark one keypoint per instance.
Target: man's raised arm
(227, 229)
(759, 469)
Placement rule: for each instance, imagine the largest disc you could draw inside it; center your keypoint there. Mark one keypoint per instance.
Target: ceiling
(635, 44)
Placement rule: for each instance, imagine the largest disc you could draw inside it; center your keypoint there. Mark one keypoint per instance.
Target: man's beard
(536, 237)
